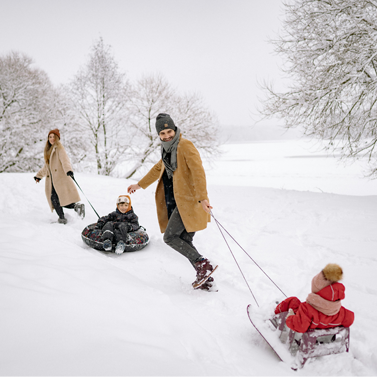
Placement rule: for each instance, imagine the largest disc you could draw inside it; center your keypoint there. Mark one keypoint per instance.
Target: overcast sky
(218, 48)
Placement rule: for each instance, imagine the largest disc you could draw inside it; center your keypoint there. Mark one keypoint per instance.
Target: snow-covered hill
(66, 309)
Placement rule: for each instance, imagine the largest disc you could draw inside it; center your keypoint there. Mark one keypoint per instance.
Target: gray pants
(179, 239)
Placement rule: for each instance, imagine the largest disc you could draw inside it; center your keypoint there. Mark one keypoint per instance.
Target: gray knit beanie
(163, 121)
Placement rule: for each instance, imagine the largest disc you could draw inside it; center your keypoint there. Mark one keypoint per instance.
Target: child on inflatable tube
(117, 224)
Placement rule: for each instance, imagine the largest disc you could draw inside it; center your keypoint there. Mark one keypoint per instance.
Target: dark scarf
(170, 147)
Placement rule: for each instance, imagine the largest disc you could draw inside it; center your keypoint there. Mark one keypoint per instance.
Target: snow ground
(67, 309)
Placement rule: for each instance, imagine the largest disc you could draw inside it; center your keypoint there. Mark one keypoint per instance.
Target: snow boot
(209, 285)
(107, 245)
(82, 212)
(62, 220)
(204, 270)
(80, 209)
(119, 249)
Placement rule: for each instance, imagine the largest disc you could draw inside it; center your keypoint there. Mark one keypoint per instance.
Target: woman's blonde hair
(49, 146)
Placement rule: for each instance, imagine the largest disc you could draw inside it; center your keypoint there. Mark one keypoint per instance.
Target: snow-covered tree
(98, 94)
(330, 47)
(26, 113)
(80, 151)
(147, 98)
(197, 123)
(152, 95)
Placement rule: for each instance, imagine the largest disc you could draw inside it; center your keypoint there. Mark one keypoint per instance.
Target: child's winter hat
(333, 272)
(55, 132)
(330, 274)
(163, 122)
(124, 199)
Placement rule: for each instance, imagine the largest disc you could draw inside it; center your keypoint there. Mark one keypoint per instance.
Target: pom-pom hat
(333, 272)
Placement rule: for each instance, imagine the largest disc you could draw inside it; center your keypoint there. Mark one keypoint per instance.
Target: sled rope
(219, 225)
(85, 196)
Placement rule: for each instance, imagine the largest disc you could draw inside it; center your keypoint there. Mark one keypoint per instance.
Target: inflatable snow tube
(93, 238)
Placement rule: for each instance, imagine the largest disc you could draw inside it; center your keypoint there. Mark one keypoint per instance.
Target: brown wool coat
(64, 186)
(189, 184)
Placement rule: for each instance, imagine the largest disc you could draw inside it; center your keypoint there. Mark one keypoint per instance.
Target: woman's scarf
(317, 302)
(170, 147)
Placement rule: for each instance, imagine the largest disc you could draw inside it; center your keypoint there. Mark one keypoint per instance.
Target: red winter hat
(55, 132)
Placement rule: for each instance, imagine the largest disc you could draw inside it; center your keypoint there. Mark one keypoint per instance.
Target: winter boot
(107, 245)
(204, 270)
(82, 212)
(80, 209)
(209, 285)
(128, 239)
(119, 249)
(62, 220)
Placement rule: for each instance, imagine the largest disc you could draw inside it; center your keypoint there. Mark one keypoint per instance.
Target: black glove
(37, 179)
(70, 174)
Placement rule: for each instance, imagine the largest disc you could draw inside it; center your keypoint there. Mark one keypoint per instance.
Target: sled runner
(93, 238)
(296, 348)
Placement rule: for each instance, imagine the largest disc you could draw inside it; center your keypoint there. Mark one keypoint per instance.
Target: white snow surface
(66, 309)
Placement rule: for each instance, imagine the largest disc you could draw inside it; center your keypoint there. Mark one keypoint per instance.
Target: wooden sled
(313, 343)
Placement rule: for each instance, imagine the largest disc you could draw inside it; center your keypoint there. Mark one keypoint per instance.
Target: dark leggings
(179, 239)
(56, 203)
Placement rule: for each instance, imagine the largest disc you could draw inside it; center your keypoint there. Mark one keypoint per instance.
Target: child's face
(123, 207)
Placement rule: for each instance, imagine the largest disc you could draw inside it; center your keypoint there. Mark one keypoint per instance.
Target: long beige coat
(189, 185)
(57, 168)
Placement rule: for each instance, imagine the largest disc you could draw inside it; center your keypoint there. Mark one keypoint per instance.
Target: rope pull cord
(219, 225)
(85, 196)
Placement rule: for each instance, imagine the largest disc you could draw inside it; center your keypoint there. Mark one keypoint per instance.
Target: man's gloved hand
(70, 174)
(37, 179)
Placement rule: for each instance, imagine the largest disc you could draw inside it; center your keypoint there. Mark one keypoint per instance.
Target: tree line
(106, 121)
(330, 53)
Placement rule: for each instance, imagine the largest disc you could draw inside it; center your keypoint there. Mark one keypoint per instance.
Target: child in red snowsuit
(323, 308)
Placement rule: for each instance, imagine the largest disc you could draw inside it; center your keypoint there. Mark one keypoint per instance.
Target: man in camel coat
(181, 196)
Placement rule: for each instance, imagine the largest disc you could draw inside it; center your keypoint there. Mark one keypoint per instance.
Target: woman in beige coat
(60, 188)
